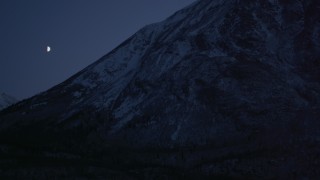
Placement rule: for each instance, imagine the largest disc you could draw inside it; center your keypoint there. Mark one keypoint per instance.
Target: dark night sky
(79, 32)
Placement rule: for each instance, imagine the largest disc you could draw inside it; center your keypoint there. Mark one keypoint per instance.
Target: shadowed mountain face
(225, 89)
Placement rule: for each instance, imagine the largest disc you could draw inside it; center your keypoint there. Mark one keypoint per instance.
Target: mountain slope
(221, 88)
(6, 100)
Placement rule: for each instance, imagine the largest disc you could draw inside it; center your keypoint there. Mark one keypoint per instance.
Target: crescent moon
(48, 48)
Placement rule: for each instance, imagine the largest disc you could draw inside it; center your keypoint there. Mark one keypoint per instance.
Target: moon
(48, 49)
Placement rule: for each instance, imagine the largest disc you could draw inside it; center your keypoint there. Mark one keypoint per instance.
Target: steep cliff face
(226, 88)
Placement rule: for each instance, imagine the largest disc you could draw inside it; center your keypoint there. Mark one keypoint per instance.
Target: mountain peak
(6, 100)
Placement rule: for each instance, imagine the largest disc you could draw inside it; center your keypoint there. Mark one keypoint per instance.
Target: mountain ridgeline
(222, 88)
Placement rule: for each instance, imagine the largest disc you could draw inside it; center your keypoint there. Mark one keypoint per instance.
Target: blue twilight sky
(78, 31)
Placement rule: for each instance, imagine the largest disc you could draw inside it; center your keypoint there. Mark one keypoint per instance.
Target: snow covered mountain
(223, 88)
(6, 100)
